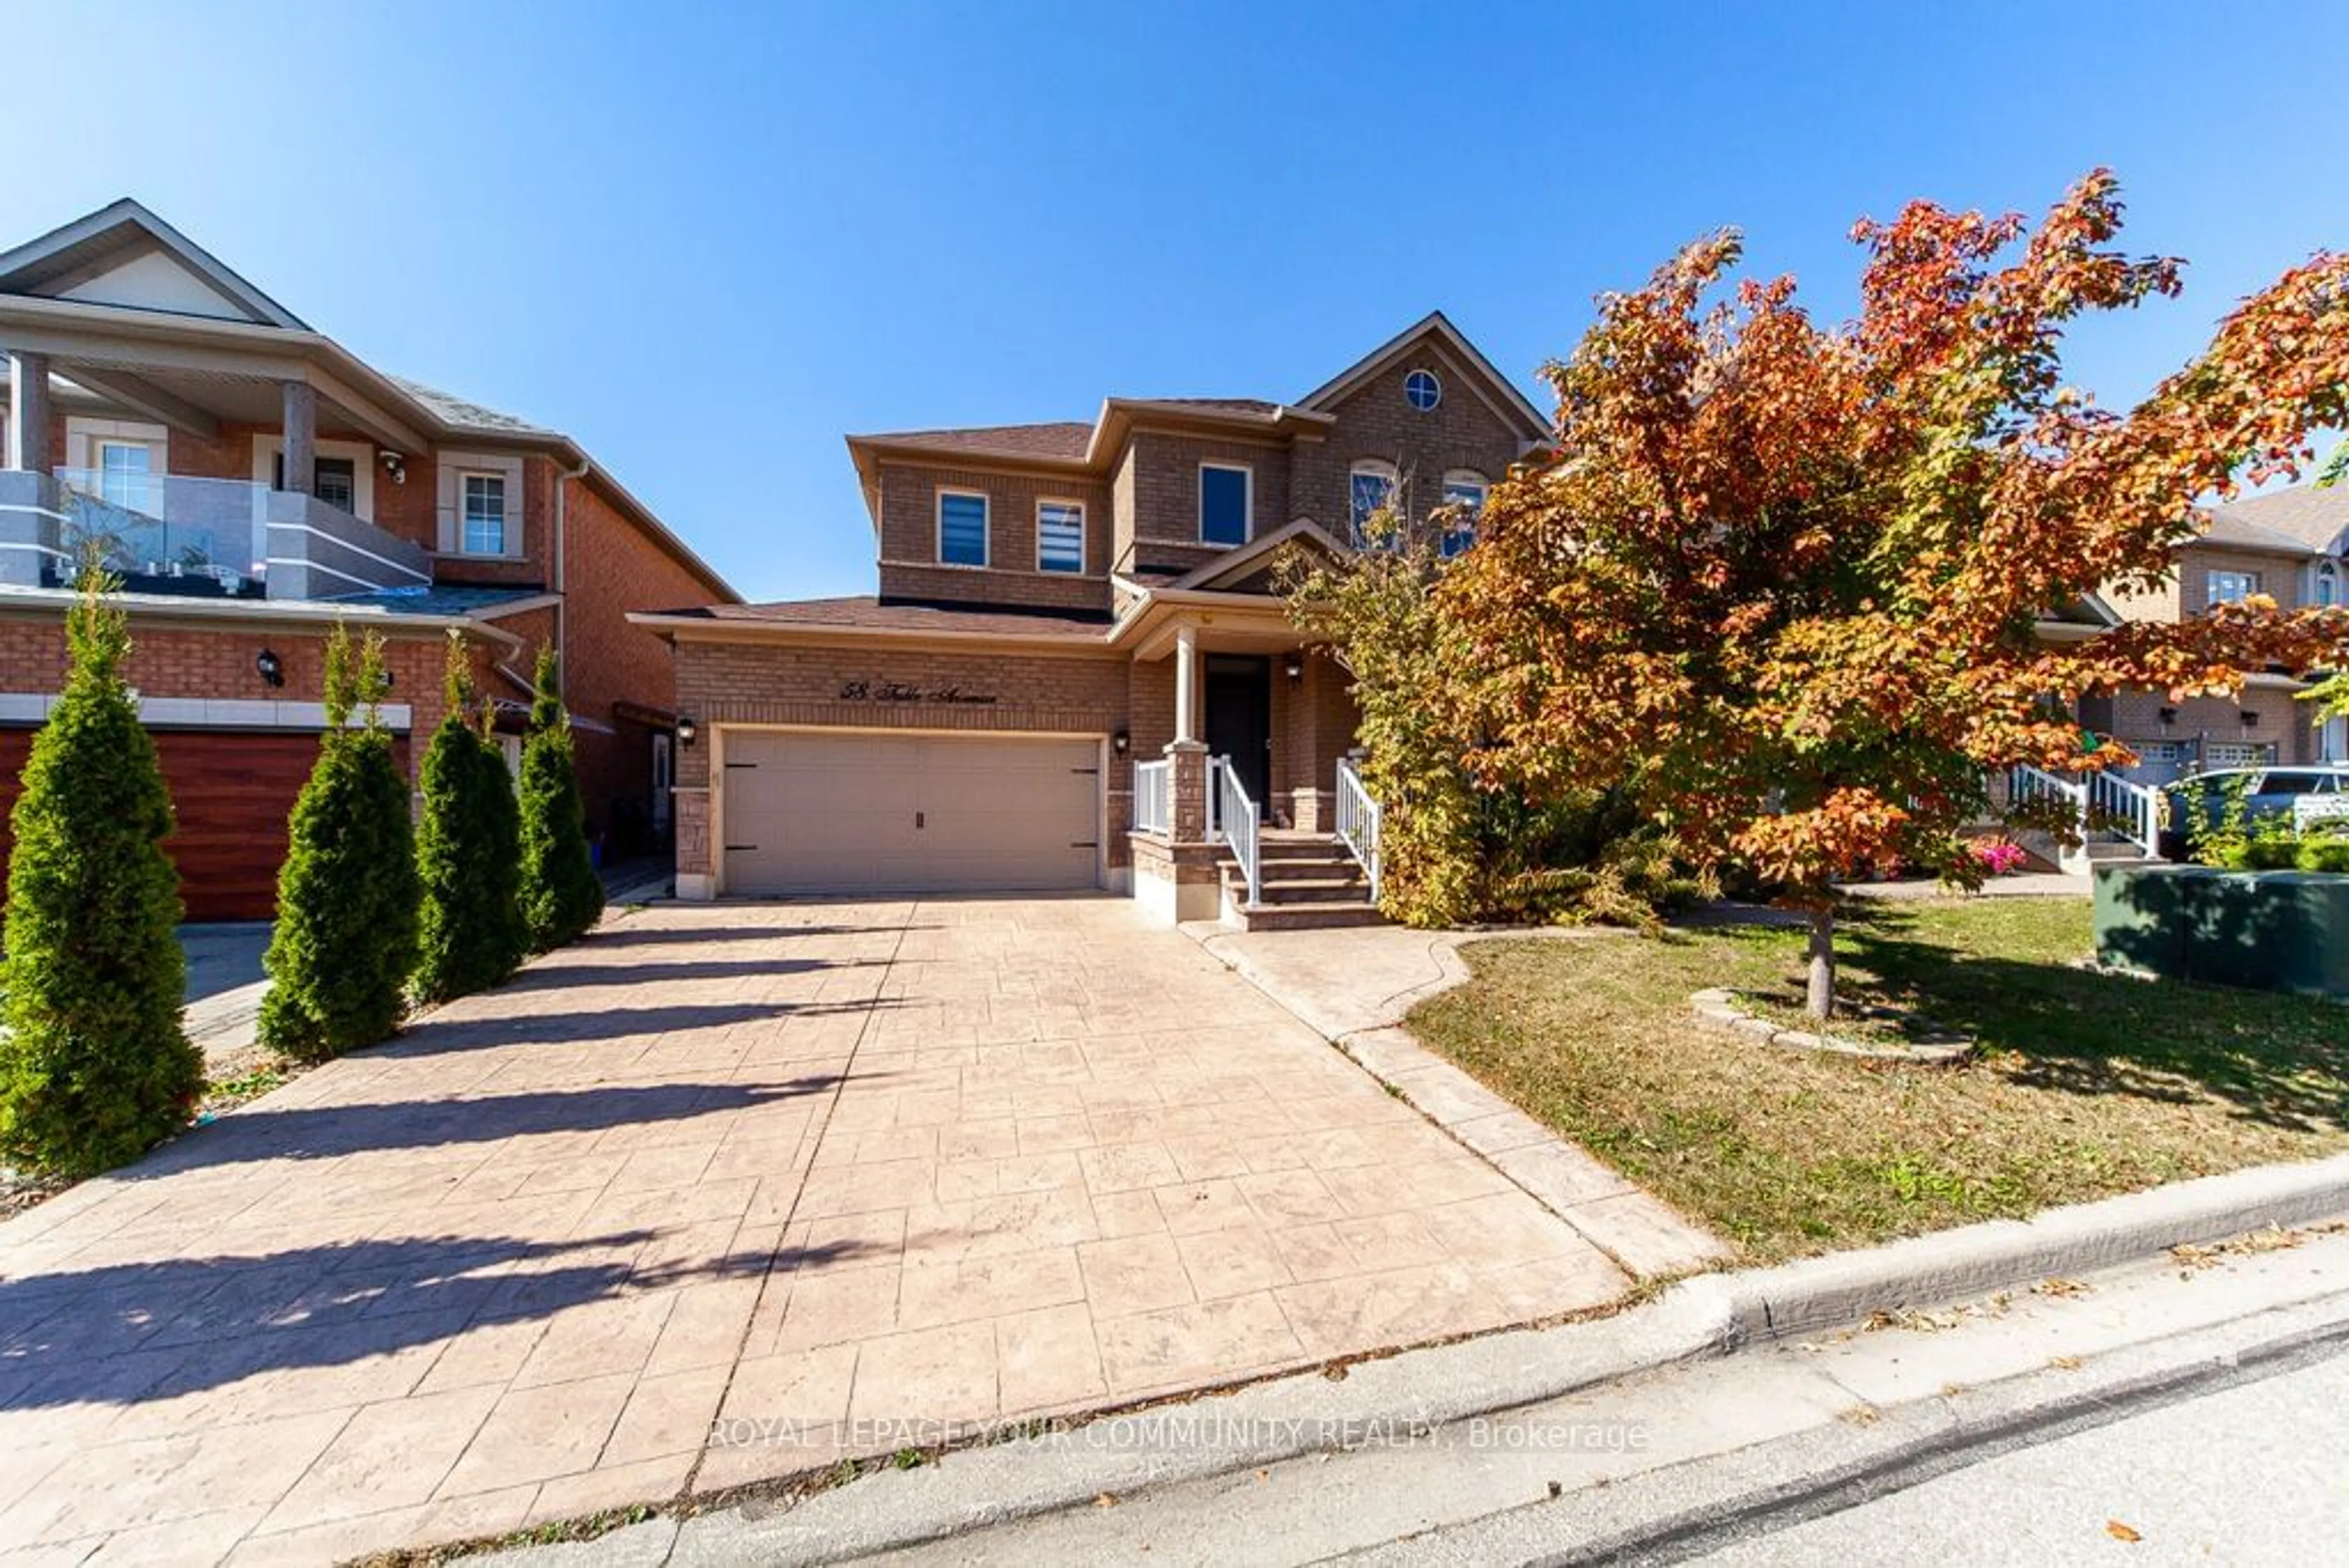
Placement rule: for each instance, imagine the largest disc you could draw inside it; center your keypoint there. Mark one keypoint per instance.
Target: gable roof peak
(119, 234)
(1506, 397)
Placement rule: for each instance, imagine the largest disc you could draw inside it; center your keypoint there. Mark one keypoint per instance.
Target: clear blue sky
(708, 241)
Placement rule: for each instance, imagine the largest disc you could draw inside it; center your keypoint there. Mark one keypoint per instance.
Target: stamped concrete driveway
(717, 1195)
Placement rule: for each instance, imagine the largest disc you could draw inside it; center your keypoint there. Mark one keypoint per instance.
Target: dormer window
(962, 528)
(1369, 490)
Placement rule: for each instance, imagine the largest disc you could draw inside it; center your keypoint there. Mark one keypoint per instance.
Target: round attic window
(1422, 390)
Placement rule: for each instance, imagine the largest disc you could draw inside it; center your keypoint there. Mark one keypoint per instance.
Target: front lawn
(2088, 1085)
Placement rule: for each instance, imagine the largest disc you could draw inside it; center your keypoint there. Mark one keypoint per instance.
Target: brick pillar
(301, 438)
(28, 412)
(1188, 823)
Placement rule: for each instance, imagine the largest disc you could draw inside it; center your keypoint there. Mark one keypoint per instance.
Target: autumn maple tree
(1779, 580)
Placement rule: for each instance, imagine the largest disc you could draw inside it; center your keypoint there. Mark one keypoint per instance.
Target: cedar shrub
(95, 1067)
(467, 853)
(348, 894)
(562, 896)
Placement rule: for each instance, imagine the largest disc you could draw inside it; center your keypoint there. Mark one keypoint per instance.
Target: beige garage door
(813, 813)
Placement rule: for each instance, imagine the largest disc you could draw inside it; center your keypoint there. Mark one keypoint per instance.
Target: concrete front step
(1322, 916)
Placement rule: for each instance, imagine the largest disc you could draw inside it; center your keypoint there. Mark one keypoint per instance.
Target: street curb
(1713, 1315)
(1817, 1472)
(1815, 1294)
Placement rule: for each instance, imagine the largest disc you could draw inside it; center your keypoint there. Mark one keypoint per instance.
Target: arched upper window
(2328, 583)
(1464, 497)
(1370, 489)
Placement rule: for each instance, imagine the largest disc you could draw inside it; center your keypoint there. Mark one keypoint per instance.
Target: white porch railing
(2127, 809)
(1357, 821)
(1235, 821)
(1153, 797)
(2099, 799)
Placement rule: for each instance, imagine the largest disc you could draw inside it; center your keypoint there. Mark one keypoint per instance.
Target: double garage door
(807, 812)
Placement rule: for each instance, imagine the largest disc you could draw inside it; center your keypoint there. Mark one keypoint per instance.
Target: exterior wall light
(685, 730)
(2251, 720)
(1295, 666)
(1121, 743)
(2169, 715)
(271, 668)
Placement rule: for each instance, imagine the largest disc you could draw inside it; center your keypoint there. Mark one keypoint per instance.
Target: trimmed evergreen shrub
(95, 1067)
(347, 895)
(467, 853)
(562, 896)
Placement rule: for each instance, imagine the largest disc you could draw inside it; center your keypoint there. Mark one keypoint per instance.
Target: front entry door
(1239, 720)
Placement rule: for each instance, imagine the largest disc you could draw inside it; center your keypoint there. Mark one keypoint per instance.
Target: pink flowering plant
(1998, 857)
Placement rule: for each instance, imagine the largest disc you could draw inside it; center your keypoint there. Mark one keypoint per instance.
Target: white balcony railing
(1153, 797)
(1358, 822)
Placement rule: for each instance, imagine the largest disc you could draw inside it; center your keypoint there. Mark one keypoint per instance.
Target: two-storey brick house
(252, 482)
(2288, 545)
(1065, 610)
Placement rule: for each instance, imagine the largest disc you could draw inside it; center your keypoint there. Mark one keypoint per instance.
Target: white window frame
(2211, 579)
(267, 450)
(1463, 479)
(1066, 504)
(1247, 499)
(86, 439)
(465, 514)
(2324, 586)
(450, 470)
(986, 528)
(1378, 467)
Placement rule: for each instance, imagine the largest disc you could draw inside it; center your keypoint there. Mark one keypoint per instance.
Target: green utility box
(2267, 931)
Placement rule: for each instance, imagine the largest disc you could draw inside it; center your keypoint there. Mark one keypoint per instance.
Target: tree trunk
(1819, 1001)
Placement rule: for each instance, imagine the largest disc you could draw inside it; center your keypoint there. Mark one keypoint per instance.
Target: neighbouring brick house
(1069, 613)
(2289, 545)
(252, 482)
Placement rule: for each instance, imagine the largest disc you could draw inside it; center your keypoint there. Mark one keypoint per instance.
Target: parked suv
(2267, 792)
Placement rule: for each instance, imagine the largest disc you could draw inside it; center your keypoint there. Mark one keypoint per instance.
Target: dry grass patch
(2087, 1084)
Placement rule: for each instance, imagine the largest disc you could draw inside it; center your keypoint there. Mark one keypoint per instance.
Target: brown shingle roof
(1061, 439)
(1211, 405)
(866, 612)
(2316, 515)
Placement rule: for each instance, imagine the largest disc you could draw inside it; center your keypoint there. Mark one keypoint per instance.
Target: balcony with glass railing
(172, 535)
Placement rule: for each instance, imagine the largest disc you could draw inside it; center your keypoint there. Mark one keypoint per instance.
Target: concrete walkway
(1354, 987)
(720, 1194)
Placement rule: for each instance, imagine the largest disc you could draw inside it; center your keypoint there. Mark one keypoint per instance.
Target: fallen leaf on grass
(2119, 1532)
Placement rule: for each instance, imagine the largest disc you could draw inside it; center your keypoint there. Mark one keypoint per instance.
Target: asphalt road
(2248, 1474)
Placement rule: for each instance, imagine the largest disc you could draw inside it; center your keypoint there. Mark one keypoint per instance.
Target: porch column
(1187, 812)
(301, 438)
(1186, 683)
(28, 412)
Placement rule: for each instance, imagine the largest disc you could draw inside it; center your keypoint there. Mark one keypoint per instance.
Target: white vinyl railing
(1235, 821)
(1357, 821)
(2096, 800)
(1153, 797)
(2130, 809)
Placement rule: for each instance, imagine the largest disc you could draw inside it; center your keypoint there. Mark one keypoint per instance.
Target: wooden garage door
(840, 813)
(233, 793)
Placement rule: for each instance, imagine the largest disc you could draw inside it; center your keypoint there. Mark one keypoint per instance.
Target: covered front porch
(1249, 809)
